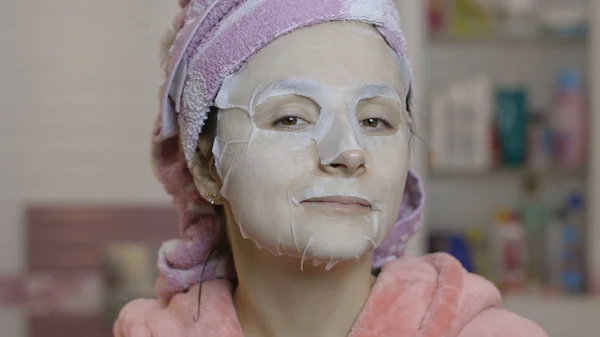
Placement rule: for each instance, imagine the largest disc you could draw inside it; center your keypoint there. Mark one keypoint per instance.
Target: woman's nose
(350, 163)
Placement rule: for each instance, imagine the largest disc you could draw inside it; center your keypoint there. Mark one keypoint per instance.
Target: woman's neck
(275, 298)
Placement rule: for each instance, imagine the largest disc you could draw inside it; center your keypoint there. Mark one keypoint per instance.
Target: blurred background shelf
(538, 301)
(466, 49)
(563, 316)
(506, 172)
(508, 41)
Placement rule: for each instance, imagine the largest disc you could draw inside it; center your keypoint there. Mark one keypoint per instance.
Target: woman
(284, 139)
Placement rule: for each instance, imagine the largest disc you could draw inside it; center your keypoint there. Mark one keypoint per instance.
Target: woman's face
(312, 143)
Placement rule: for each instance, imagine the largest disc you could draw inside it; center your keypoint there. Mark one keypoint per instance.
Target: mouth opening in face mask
(337, 204)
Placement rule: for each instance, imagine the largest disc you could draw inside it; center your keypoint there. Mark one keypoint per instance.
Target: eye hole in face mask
(287, 113)
(290, 123)
(375, 124)
(379, 116)
(378, 121)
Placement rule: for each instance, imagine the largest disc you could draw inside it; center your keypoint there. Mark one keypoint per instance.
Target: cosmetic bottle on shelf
(568, 121)
(539, 140)
(510, 255)
(511, 123)
(573, 264)
(533, 212)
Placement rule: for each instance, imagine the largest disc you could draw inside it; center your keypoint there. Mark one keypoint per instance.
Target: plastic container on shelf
(565, 247)
(519, 21)
(511, 124)
(509, 252)
(481, 90)
(462, 118)
(564, 22)
(458, 246)
(469, 18)
(539, 140)
(568, 121)
(573, 246)
(476, 237)
(534, 214)
(436, 15)
(554, 251)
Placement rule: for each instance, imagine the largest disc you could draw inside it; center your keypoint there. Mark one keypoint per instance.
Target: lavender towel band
(215, 38)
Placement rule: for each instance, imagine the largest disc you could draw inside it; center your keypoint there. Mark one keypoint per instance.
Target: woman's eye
(290, 122)
(375, 123)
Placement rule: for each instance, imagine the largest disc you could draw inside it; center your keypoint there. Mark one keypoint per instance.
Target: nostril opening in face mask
(361, 166)
(349, 162)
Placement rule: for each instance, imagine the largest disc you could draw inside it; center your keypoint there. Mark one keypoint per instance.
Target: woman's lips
(339, 204)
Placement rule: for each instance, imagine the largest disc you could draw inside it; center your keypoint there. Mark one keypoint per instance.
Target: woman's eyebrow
(316, 91)
(304, 88)
(378, 90)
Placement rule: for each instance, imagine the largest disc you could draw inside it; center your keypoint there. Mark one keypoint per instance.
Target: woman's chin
(335, 250)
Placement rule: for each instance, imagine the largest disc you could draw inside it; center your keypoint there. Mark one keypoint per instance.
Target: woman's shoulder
(180, 316)
(498, 322)
(156, 318)
(477, 302)
(133, 320)
(149, 318)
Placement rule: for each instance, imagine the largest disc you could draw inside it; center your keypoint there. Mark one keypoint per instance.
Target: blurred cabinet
(594, 171)
(560, 317)
(70, 292)
(460, 200)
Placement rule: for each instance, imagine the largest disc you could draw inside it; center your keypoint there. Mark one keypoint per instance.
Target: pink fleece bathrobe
(413, 297)
(431, 296)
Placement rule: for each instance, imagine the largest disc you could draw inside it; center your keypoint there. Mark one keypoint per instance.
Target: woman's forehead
(334, 55)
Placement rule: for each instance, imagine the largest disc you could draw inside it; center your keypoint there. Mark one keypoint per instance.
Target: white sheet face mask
(312, 144)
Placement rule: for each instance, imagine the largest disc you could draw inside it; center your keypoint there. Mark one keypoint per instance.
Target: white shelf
(508, 41)
(505, 171)
(560, 316)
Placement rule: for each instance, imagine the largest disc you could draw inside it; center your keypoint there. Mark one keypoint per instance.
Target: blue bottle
(459, 248)
(572, 236)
